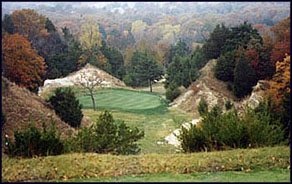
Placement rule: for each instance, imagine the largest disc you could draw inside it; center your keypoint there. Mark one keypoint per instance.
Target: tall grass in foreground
(89, 165)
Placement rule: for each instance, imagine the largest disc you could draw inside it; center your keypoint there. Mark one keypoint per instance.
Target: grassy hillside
(90, 165)
(20, 107)
(276, 175)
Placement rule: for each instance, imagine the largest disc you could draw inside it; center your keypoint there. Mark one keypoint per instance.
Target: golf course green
(124, 100)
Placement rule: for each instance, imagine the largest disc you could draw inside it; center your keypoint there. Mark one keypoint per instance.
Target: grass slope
(156, 127)
(145, 110)
(276, 175)
(91, 165)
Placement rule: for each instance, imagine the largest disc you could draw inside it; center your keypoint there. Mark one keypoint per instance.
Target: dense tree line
(243, 56)
(61, 51)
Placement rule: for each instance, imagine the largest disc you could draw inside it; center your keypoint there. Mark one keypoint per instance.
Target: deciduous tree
(21, 63)
(89, 82)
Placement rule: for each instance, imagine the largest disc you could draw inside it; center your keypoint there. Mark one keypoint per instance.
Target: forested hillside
(144, 78)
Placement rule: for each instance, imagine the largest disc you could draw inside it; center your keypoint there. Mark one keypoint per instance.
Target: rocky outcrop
(89, 70)
(215, 92)
(173, 137)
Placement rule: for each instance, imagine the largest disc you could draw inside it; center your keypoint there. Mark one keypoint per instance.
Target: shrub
(231, 131)
(193, 139)
(258, 127)
(32, 141)
(126, 139)
(172, 92)
(84, 141)
(106, 133)
(106, 136)
(67, 106)
(262, 128)
(210, 126)
(202, 107)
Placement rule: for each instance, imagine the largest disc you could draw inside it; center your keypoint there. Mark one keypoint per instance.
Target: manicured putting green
(123, 100)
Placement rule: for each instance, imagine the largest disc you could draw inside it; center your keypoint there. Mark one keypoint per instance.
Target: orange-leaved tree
(29, 23)
(21, 63)
(280, 83)
(282, 40)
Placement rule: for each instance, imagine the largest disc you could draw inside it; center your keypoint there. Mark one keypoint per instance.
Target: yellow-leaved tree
(91, 41)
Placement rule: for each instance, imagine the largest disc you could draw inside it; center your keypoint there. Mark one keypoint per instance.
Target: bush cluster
(34, 142)
(106, 136)
(172, 92)
(219, 131)
(66, 106)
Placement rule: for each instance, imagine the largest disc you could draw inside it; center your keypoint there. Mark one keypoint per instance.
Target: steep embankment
(20, 107)
(70, 80)
(206, 86)
(215, 92)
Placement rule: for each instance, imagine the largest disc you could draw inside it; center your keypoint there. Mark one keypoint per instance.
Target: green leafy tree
(198, 58)
(143, 70)
(181, 72)
(106, 133)
(66, 61)
(172, 92)
(179, 49)
(115, 60)
(214, 45)
(240, 36)
(286, 115)
(67, 106)
(224, 69)
(244, 78)
(174, 72)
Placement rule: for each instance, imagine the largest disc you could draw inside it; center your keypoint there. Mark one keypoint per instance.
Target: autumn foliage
(21, 63)
(29, 23)
(282, 40)
(280, 83)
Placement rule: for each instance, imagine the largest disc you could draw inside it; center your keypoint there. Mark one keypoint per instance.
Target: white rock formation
(173, 137)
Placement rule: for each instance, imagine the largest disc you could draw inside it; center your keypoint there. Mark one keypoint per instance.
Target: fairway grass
(144, 110)
(155, 126)
(220, 164)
